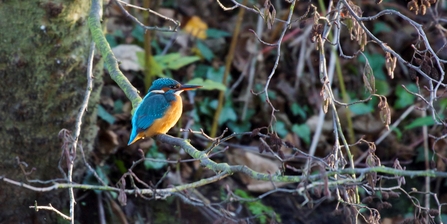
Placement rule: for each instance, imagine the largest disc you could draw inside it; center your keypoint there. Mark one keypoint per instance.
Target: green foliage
(153, 153)
(201, 70)
(120, 165)
(444, 218)
(419, 122)
(112, 38)
(161, 64)
(377, 63)
(398, 133)
(405, 98)
(442, 105)
(215, 33)
(175, 61)
(102, 171)
(381, 27)
(217, 74)
(155, 68)
(211, 73)
(227, 114)
(207, 84)
(299, 110)
(205, 51)
(205, 107)
(103, 114)
(138, 33)
(118, 107)
(303, 131)
(420, 157)
(281, 129)
(261, 211)
(163, 213)
(239, 126)
(361, 108)
(272, 94)
(382, 87)
(211, 33)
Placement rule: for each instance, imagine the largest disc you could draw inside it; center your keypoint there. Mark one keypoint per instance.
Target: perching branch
(94, 22)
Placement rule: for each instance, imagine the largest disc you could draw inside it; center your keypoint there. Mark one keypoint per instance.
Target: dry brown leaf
(126, 54)
(367, 124)
(313, 123)
(196, 27)
(293, 140)
(108, 142)
(390, 64)
(369, 79)
(146, 143)
(324, 93)
(257, 163)
(385, 111)
(269, 13)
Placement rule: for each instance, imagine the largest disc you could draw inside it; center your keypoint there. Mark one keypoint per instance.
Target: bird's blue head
(166, 84)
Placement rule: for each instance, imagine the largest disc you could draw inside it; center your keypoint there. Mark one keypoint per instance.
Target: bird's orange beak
(189, 87)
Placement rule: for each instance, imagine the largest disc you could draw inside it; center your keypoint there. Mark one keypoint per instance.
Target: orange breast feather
(162, 125)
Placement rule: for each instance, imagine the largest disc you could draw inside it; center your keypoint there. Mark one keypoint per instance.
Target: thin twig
(169, 29)
(51, 208)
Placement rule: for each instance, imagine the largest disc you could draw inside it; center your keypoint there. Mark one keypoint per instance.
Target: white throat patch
(157, 91)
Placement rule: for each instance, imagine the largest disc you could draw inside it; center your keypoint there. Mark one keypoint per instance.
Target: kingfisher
(160, 109)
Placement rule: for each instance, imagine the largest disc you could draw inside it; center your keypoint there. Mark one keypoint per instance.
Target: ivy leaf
(298, 110)
(156, 67)
(227, 113)
(281, 129)
(154, 154)
(398, 133)
(102, 172)
(118, 107)
(182, 61)
(303, 131)
(383, 87)
(420, 157)
(405, 98)
(215, 33)
(103, 114)
(381, 27)
(138, 33)
(172, 61)
(361, 108)
(205, 51)
(419, 122)
(238, 126)
(207, 84)
(215, 74)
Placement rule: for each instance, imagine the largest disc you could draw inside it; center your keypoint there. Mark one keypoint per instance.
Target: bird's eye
(174, 87)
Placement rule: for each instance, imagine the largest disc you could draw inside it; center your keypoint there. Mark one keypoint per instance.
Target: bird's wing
(151, 108)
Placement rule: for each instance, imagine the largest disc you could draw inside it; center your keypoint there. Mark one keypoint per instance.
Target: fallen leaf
(196, 27)
(313, 122)
(257, 163)
(126, 54)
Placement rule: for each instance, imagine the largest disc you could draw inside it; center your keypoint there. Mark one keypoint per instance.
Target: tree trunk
(43, 62)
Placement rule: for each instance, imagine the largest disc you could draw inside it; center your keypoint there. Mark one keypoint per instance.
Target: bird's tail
(133, 136)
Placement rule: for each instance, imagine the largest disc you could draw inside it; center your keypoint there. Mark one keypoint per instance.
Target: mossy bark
(43, 62)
